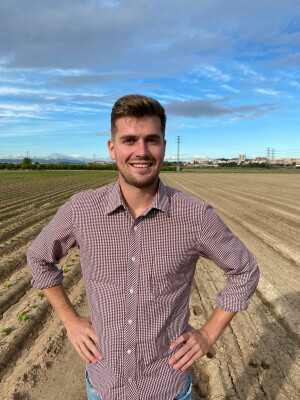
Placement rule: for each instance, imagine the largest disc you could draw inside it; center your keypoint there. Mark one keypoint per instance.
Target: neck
(138, 199)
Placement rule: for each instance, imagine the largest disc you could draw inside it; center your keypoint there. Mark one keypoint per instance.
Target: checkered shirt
(138, 275)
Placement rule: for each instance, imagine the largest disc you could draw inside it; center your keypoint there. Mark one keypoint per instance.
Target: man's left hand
(197, 344)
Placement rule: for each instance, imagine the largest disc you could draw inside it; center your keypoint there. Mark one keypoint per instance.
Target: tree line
(28, 164)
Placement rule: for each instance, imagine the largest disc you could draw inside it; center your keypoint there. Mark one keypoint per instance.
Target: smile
(141, 165)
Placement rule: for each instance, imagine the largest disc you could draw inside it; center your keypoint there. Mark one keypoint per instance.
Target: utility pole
(177, 165)
(273, 154)
(268, 153)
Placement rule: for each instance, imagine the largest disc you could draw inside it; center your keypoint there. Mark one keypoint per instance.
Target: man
(139, 243)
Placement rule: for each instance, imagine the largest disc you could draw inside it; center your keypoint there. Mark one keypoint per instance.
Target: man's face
(139, 150)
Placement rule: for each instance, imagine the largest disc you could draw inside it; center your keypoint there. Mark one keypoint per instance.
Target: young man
(139, 243)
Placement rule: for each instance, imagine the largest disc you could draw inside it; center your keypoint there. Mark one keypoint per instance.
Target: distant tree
(27, 161)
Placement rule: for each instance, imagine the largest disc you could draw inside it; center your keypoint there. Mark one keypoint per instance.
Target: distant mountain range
(45, 161)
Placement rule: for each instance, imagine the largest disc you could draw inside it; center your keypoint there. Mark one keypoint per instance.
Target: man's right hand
(79, 329)
(83, 337)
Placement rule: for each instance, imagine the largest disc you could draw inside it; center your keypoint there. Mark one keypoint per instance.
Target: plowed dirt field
(258, 355)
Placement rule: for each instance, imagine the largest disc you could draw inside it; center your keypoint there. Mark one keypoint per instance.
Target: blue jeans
(185, 394)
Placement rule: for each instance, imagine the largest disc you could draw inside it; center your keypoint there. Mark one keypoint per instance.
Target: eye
(154, 140)
(128, 141)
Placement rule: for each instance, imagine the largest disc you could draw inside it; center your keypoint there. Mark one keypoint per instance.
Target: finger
(180, 353)
(89, 356)
(183, 338)
(85, 358)
(93, 336)
(90, 345)
(191, 361)
(185, 358)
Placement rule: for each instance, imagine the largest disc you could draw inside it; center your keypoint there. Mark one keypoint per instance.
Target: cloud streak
(211, 109)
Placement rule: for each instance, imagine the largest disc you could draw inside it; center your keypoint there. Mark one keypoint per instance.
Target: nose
(141, 149)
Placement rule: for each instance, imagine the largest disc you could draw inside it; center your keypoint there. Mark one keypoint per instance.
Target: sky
(226, 71)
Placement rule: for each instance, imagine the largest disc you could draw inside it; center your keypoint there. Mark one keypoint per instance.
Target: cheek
(123, 155)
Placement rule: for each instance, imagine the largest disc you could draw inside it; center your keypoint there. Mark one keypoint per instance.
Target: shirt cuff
(47, 278)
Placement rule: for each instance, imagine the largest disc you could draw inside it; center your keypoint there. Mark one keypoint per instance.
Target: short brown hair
(137, 106)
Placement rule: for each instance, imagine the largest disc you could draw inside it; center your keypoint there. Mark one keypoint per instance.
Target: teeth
(141, 165)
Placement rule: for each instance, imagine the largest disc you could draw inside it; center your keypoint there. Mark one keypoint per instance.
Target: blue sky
(226, 71)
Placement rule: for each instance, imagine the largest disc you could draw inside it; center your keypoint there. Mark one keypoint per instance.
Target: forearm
(216, 324)
(61, 303)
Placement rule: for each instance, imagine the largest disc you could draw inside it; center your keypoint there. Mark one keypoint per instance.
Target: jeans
(185, 394)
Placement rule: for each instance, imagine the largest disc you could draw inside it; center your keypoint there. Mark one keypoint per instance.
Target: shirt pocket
(170, 273)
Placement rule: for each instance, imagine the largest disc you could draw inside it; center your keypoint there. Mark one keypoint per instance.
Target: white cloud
(269, 92)
(230, 88)
(19, 107)
(14, 91)
(212, 72)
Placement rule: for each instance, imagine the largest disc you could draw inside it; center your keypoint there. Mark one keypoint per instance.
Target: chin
(140, 183)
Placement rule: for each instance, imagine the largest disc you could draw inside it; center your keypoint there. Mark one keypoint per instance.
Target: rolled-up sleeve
(219, 244)
(52, 243)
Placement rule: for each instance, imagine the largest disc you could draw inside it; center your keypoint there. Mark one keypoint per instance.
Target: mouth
(141, 165)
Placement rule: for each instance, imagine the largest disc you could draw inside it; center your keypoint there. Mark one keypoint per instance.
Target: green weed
(22, 317)
(32, 305)
(6, 330)
(40, 294)
(7, 284)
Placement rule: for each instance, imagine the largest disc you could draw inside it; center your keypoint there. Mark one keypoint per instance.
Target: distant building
(295, 161)
(103, 162)
(242, 158)
(200, 160)
(261, 160)
(277, 161)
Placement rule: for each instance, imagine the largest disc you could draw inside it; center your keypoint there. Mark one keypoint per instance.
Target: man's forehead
(132, 125)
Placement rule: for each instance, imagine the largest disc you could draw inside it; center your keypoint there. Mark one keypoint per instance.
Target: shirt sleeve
(50, 246)
(219, 244)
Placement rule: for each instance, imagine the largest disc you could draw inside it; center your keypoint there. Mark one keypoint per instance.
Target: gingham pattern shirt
(138, 275)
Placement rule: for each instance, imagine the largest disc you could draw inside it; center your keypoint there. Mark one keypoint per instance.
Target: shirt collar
(161, 200)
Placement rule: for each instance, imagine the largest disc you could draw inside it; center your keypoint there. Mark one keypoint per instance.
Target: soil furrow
(282, 249)
(74, 188)
(57, 196)
(23, 333)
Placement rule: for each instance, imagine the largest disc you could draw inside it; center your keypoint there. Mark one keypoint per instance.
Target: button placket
(131, 306)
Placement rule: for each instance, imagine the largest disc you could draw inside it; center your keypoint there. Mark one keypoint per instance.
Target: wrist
(69, 318)
(205, 334)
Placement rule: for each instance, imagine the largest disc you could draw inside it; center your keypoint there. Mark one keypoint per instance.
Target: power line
(178, 147)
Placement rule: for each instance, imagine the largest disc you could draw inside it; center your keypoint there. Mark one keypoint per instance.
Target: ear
(165, 142)
(111, 149)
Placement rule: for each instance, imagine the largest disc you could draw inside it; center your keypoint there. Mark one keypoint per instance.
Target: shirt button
(129, 380)
(130, 321)
(135, 228)
(129, 351)
(131, 290)
(133, 259)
